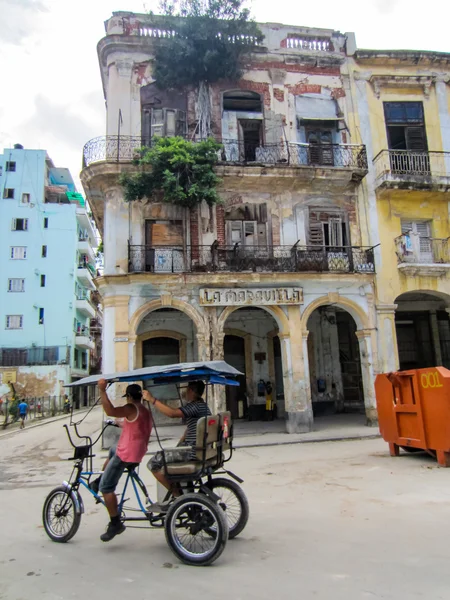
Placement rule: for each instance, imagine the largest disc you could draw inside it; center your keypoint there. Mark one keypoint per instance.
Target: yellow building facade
(403, 113)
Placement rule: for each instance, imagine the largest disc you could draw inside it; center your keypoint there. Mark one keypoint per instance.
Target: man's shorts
(113, 472)
(172, 456)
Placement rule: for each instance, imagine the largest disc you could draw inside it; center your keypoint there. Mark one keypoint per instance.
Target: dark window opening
(405, 125)
(242, 100)
(8, 193)
(20, 224)
(250, 133)
(41, 316)
(44, 251)
(320, 146)
(42, 280)
(10, 166)
(45, 222)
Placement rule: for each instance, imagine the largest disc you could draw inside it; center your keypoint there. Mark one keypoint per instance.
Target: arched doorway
(166, 336)
(334, 362)
(234, 354)
(423, 330)
(250, 346)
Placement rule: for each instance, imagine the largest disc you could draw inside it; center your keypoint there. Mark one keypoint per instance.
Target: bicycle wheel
(60, 517)
(186, 523)
(233, 502)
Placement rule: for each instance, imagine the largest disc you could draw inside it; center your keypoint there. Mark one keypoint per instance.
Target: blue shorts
(113, 472)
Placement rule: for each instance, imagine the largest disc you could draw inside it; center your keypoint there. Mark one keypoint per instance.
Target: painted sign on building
(250, 297)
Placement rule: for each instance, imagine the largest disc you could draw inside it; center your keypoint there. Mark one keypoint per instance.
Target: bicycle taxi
(211, 509)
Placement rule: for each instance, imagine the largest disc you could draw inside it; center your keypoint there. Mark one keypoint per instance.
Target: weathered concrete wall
(39, 381)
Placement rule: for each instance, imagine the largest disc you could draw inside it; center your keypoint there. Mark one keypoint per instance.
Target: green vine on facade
(178, 170)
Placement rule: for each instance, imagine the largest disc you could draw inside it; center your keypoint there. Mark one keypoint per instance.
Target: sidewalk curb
(352, 438)
(5, 432)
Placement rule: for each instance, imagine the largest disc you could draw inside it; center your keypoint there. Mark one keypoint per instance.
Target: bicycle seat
(132, 467)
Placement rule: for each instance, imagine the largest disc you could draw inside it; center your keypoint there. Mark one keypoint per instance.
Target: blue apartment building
(47, 268)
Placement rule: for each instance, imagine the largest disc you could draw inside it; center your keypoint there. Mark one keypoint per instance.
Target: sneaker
(112, 530)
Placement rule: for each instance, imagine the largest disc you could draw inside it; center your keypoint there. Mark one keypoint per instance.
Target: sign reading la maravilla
(250, 296)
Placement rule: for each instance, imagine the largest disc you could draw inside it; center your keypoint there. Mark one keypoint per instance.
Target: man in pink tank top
(130, 449)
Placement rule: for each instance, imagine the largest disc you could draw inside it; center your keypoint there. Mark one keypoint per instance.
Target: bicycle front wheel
(60, 517)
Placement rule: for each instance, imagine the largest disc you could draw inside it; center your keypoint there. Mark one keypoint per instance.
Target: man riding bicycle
(130, 449)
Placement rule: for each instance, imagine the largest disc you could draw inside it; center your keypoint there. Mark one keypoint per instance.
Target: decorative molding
(402, 81)
(166, 299)
(333, 297)
(425, 270)
(387, 309)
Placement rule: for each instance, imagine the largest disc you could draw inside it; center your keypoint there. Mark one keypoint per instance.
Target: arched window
(242, 101)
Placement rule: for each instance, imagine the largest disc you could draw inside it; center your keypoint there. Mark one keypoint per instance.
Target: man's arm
(173, 413)
(128, 411)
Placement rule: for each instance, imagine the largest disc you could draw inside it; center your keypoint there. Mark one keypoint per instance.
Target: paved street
(331, 520)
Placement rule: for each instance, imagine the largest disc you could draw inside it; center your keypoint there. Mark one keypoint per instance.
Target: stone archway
(366, 336)
(422, 329)
(197, 318)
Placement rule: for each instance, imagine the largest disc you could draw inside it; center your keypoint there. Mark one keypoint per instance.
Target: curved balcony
(113, 148)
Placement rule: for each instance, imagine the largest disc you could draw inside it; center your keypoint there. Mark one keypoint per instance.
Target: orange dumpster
(414, 411)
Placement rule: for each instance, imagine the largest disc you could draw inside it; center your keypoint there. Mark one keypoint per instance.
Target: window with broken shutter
(423, 230)
(168, 122)
(327, 229)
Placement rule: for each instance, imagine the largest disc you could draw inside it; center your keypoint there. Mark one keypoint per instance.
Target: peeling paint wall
(35, 382)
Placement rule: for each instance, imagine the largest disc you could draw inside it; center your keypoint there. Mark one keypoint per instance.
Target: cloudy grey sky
(51, 94)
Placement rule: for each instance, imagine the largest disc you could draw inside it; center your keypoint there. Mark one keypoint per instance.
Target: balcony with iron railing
(407, 169)
(347, 157)
(256, 259)
(34, 356)
(423, 256)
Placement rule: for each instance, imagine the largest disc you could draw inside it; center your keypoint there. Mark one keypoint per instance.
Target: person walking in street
(23, 410)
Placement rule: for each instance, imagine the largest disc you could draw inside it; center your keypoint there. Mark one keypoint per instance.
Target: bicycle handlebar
(86, 437)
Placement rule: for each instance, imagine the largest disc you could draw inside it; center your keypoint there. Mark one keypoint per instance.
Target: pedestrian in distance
(23, 410)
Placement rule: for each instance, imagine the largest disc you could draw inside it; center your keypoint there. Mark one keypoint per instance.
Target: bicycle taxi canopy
(214, 372)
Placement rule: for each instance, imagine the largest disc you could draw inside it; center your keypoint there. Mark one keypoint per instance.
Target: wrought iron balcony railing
(415, 249)
(410, 164)
(34, 355)
(113, 148)
(272, 259)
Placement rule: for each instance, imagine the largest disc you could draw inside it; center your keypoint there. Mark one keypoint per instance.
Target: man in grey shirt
(191, 412)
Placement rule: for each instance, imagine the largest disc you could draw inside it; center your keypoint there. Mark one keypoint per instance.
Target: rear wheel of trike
(60, 516)
(187, 523)
(233, 501)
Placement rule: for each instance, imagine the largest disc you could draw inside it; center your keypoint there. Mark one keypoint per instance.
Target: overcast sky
(51, 96)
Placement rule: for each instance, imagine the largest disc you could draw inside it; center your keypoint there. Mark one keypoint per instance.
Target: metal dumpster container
(414, 411)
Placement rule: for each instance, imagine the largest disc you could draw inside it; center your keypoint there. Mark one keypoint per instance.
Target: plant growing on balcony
(179, 170)
(209, 41)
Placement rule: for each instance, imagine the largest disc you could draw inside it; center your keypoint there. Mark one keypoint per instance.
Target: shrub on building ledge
(179, 170)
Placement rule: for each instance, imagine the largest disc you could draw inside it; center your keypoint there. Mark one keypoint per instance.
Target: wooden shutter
(316, 233)
(423, 230)
(181, 128)
(335, 231)
(170, 122)
(415, 139)
(234, 232)
(166, 233)
(407, 226)
(157, 128)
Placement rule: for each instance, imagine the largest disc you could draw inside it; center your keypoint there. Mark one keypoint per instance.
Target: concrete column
(365, 348)
(436, 338)
(203, 347)
(299, 416)
(442, 95)
(388, 360)
(116, 232)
